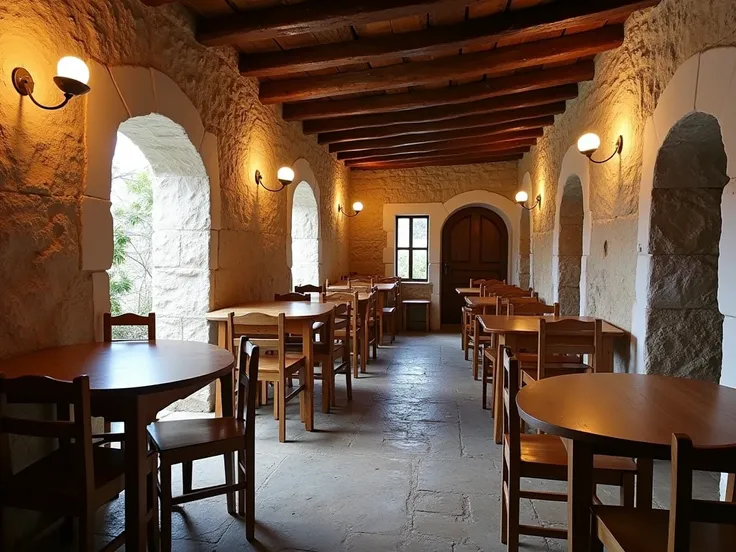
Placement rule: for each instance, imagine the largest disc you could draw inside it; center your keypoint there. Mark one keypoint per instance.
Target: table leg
(221, 342)
(328, 367)
(731, 488)
(308, 349)
(136, 468)
(228, 411)
(579, 495)
(366, 339)
(644, 483)
(606, 359)
(503, 341)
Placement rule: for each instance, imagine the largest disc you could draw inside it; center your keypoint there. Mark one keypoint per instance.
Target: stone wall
(624, 93)
(570, 253)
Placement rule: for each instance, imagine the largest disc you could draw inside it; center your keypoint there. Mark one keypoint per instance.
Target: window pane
(420, 232)
(402, 237)
(402, 263)
(419, 270)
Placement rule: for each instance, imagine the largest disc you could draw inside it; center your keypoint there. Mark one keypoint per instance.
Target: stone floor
(408, 466)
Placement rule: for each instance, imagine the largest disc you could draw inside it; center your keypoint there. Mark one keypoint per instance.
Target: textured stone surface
(683, 282)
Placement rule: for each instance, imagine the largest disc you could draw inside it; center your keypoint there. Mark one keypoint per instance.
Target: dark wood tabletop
(631, 409)
(530, 324)
(136, 366)
(295, 310)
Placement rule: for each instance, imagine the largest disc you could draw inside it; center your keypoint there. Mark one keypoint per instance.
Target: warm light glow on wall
(589, 143)
(71, 67)
(521, 196)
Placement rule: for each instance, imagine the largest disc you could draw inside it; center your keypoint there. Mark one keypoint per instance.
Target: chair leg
(264, 393)
(514, 486)
(627, 491)
(186, 476)
(276, 400)
(282, 410)
(250, 493)
(348, 378)
(240, 471)
(86, 535)
(230, 480)
(154, 537)
(165, 490)
(476, 350)
(504, 502)
(327, 378)
(484, 380)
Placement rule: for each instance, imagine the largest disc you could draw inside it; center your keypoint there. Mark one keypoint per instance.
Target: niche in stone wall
(304, 237)
(570, 247)
(684, 326)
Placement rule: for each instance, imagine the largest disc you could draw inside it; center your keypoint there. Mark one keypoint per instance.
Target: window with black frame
(412, 247)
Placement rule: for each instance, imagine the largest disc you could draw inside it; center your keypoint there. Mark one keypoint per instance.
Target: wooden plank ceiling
(411, 83)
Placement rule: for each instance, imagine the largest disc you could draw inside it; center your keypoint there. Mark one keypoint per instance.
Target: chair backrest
(511, 419)
(532, 309)
(291, 297)
(128, 319)
(480, 281)
(684, 509)
(248, 359)
(76, 434)
(263, 330)
(568, 337)
(309, 288)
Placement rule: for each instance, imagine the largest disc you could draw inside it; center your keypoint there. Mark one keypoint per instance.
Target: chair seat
(270, 363)
(636, 530)
(551, 451)
(178, 434)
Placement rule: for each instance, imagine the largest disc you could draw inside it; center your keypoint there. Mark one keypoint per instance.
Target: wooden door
(475, 244)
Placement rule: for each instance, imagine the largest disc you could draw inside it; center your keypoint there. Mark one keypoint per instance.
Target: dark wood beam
(491, 88)
(517, 26)
(409, 139)
(473, 121)
(479, 150)
(441, 113)
(491, 63)
(471, 160)
(312, 16)
(478, 154)
(503, 141)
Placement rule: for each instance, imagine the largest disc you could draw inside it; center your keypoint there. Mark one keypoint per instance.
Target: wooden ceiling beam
(313, 16)
(438, 163)
(491, 88)
(510, 140)
(441, 113)
(516, 26)
(409, 139)
(491, 63)
(473, 121)
(477, 153)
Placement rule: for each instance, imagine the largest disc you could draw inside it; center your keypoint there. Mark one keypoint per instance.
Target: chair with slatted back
(349, 330)
(276, 365)
(309, 288)
(77, 478)
(294, 296)
(388, 308)
(691, 525)
(336, 347)
(183, 441)
(542, 457)
(479, 341)
(477, 282)
(369, 337)
(535, 308)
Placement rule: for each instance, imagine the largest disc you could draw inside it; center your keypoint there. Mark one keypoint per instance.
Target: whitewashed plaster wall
(305, 246)
(439, 213)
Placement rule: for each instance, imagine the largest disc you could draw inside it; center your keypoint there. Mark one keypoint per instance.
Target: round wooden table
(624, 415)
(130, 382)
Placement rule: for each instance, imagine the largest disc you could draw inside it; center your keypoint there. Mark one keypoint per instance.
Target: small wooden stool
(408, 302)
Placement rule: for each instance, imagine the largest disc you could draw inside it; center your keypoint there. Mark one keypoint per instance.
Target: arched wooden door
(475, 244)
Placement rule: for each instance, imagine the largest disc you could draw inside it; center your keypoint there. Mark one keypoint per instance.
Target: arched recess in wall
(151, 108)
(572, 234)
(526, 275)
(692, 128)
(304, 255)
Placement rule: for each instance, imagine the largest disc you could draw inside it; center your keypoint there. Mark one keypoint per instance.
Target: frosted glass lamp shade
(521, 197)
(71, 67)
(357, 206)
(285, 175)
(588, 144)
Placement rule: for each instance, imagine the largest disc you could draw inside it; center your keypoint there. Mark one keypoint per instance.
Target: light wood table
(300, 318)
(475, 301)
(623, 415)
(516, 332)
(464, 291)
(130, 382)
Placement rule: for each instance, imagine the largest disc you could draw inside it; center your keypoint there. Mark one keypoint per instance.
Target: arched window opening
(570, 247)
(304, 237)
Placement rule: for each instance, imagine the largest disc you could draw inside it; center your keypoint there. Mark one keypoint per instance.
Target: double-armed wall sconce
(285, 176)
(357, 208)
(522, 197)
(72, 78)
(589, 144)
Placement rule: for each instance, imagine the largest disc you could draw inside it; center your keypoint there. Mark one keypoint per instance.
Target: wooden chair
(183, 441)
(388, 310)
(276, 366)
(309, 288)
(532, 309)
(336, 346)
(350, 333)
(480, 281)
(689, 526)
(294, 296)
(478, 340)
(77, 478)
(542, 457)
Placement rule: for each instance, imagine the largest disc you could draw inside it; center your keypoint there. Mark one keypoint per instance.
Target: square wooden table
(464, 291)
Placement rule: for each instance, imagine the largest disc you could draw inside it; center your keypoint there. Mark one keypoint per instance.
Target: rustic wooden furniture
(350, 333)
(382, 290)
(520, 333)
(626, 415)
(183, 441)
(336, 345)
(542, 457)
(467, 291)
(277, 365)
(131, 381)
(300, 318)
(293, 296)
(534, 308)
(689, 525)
(77, 478)
(309, 288)
(477, 340)
(426, 303)
(390, 304)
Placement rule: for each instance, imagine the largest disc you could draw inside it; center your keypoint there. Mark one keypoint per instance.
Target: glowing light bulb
(521, 196)
(588, 144)
(285, 175)
(357, 206)
(71, 67)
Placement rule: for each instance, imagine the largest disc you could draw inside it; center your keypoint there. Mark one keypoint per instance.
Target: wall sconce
(72, 78)
(589, 143)
(285, 176)
(522, 197)
(357, 208)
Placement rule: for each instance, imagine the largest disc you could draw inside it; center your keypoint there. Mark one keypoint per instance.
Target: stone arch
(570, 247)
(125, 93)
(303, 205)
(574, 179)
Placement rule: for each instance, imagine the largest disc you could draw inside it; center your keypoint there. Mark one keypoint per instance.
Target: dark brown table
(130, 382)
(626, 415)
